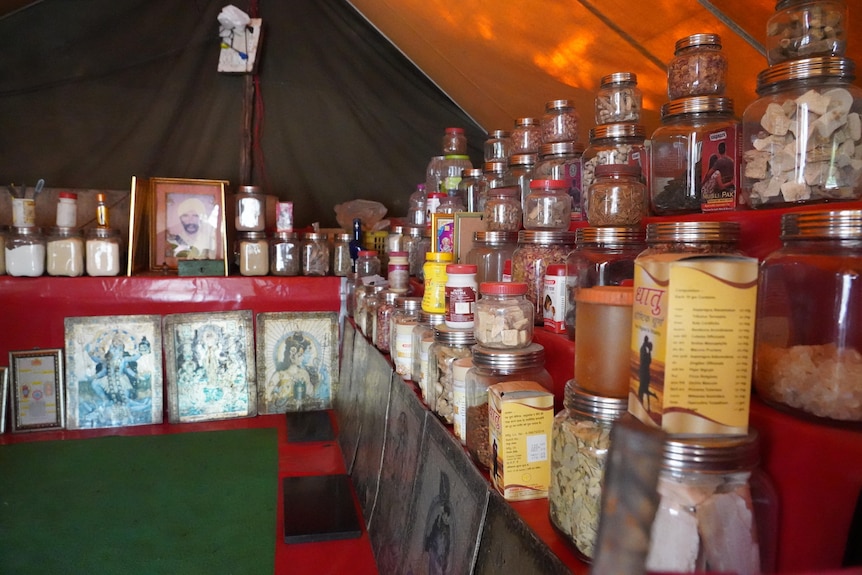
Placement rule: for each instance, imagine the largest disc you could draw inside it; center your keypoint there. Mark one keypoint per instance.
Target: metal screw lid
(713, 40)
(712, 454)
(453, 336)
(495, 237)
(509, 359)
(585, 403)
(610, 235)
(621, 130)
(693, 232)
(545, 237)
(523, 159)
(492, 167)
(408, 303)
(561, 149)
(619, 78)
(697, 105)
(835, 224)
(776, 76)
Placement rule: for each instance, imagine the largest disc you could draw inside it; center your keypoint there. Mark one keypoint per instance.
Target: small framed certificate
(38, 400)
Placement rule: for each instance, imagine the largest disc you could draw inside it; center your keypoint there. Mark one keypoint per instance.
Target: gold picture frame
(442, 232)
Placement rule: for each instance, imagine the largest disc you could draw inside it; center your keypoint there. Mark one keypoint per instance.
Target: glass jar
(420, 251)
(366, 307)
(692, 129)
(454, 141)
(103, 253)
(468, 188)
(434, 270)
(489, 252)
(614, 144)
(526, 137)
(823, 164)
(712, 490)
(492, 366)
(412, 242)
(423, 337)
(395, 239)
(451, 204)
(497, 146)
(493, 176)
(25, 252)
(382, 331)
(602, 256)
(449, 344)
(504, 316)
(367, 263)
(619, 99)
(580, 442)
(535, 252)
(250, 209)
(604, 318)
(451, 169)
(315, 254)
(520, 173)
(461, 294)
(562, 161)
(64, 251)
(503, 209)
(806, 28)
(285, 258)
(416, 211)
(342, 264)
(371, 302)
(398, 272)
(548, 206)
(698, 67)
(808, 351)
(253, 253)
(559, 122)
(617, 197)
(404, 320)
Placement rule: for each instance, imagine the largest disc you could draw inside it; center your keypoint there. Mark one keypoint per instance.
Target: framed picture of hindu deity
(37, 389)
(297, 361)
(209, 359)
(113, 371)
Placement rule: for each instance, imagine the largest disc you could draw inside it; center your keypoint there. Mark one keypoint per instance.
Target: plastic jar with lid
(604, 318)
(489, 252)
(559, 122)
(602, 257)
(520, 173)
(823, 163)
(381, 333)
(372, 301)
(468, 188)
(562, 161)
(693, 131)
(412, 245)
(710, 487)
(451, 169)
(526, 137)
(580, 442)
(808, 350)
(617, 197)
(315, 254)
(418, 253)
(504, 316)
(67, 210)
(25, 252)
(492, 366)
(614, 144)
(366, 307)
(341, 264)
(367, 263)
(493, 176)
(103, 253)
(284, 254)
(253, 250)
(503, 209)
(461, 295)
(404, 320)
(449, 344)
(497, 146)
(806, 28)
(698, 67)
(250, 209)
(451, 204)
(535, 252)
(454, 141)
(422, 338)
(548, 206)
(398, 272)
(64, 252)
(434, 270)
(619, 99)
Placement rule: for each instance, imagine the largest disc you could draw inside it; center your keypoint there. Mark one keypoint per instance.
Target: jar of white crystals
(25, 252)
(103, 252)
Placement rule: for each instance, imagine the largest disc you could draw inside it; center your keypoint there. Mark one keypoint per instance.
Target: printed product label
(719, 178)
(402, 355)
(554, 304)
(460, 302)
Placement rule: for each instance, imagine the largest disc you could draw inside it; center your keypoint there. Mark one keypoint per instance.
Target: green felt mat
(176, 504)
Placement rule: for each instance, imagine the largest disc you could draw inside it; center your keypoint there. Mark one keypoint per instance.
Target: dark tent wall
(93, 92)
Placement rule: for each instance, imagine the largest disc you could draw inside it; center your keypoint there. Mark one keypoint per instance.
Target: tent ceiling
(504, 60)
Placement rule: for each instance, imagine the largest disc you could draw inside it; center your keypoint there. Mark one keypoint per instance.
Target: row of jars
(27, 251)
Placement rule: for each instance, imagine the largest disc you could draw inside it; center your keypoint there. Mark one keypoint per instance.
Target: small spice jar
(404, 320)
(526, 137)
(617, 197)
(493, 176)
(367, 263)
(504, 317)
(102, 252)
(497, 146)
(461, 295)
(709, 487)
(823, 164)
(25, 252)
(503, 209)
(449, 344)
(692, 129)
(536, 251)
(416, 250)
(342, 263)
(808, 350)
(562, 161)
(285, 255)
(698, 67)
(614, 144)
(492, 366)
(489, 252)
(454, 141)
(315, 254)
(806, 28)
(548, 206)
(250, 209)
(559, 122)
(604, 318)
(67, 210)
(423, 337)
(253, 248)
(64, 250)
(619, 99)
(580, 442)
(382, 329)
(398, 272)
(468, 188)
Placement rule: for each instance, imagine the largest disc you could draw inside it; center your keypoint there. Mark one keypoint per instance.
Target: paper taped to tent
(349, 99)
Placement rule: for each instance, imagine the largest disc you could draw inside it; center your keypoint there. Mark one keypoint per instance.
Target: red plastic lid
(68, 195)
(503, 288)
(454, 130)
(367, 253)
(556, 270)
(461, 269)
(549, 184)
(397, 254)
(436, 195)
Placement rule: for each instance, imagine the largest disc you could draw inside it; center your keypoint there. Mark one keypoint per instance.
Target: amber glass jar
(808, 352)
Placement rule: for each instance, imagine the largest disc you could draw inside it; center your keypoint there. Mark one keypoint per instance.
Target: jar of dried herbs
(580, 440)
(617, 197)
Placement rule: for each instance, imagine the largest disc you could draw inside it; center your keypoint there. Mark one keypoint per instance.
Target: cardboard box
(521, 416)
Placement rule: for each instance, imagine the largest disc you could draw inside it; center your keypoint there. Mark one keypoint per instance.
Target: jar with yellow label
(434, 270)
